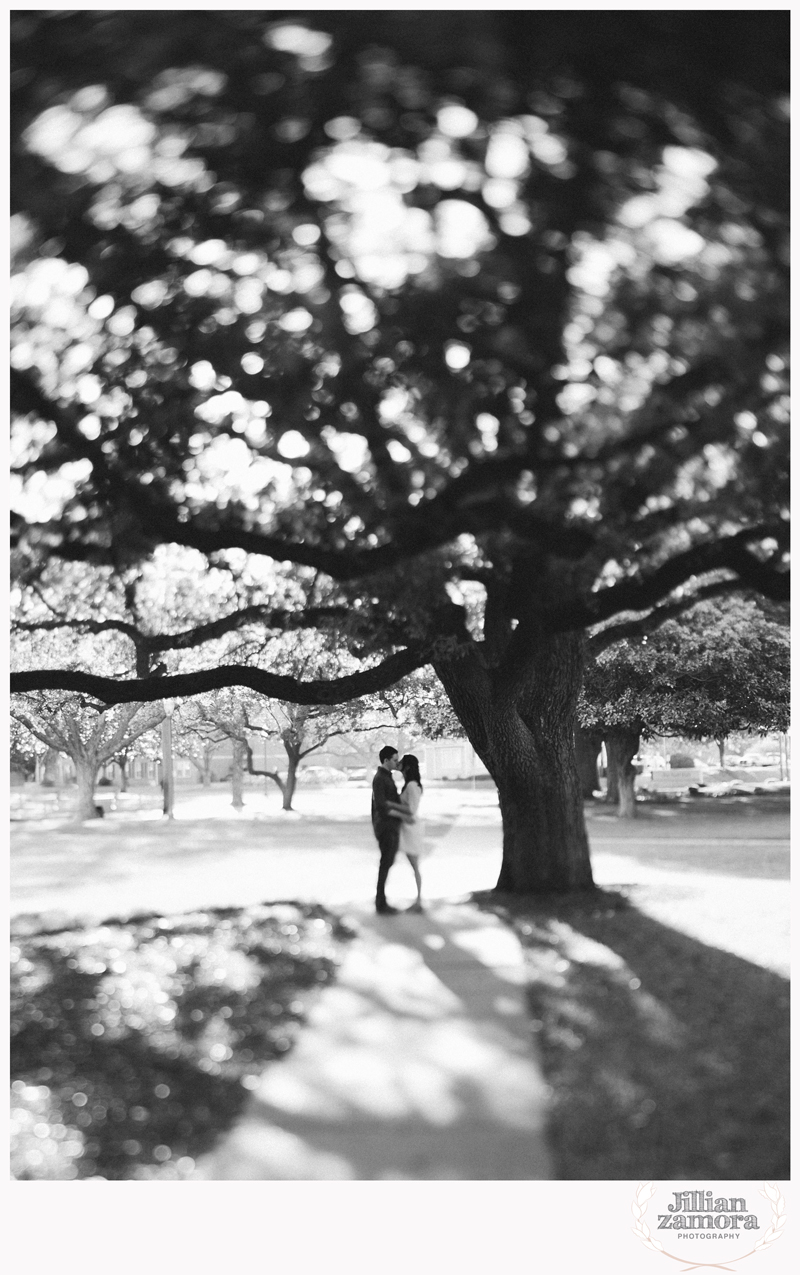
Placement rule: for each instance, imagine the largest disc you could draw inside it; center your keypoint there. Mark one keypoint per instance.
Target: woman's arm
(400, 810)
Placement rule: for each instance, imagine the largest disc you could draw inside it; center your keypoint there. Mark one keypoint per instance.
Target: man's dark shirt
(383, 790)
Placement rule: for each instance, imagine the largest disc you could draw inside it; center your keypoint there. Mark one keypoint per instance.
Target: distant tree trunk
(122, 762)
(50, 768)
(622, 747)
(520, 721)
(721, 746)
(587, 751)
(293, 756)
(270, 774)
(612, 778)
(237, 774)
(86, 771)
(203, 769)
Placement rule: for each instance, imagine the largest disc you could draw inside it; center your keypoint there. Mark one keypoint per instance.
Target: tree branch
(472, 503)
(598, 642)
(145, 690)
(54, 739)
(125, 734)
(729, 553)
(156, 643)
(266, 774)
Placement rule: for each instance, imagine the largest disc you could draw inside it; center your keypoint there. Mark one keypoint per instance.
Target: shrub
(681, 761)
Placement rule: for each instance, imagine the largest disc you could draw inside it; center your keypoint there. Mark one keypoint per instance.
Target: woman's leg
(414, 861)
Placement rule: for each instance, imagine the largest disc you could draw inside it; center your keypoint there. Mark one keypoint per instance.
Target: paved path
(418, 1064)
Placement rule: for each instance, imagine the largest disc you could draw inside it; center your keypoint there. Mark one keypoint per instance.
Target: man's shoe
(385, 909)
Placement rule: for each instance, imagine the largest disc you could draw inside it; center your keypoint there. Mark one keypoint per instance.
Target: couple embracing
(394, 819)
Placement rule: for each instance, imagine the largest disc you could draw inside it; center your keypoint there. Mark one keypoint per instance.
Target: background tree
(419, 705)
(722, 667)
(90, 738)
(148, 746)
(24, 751)
(478, 320)
(197, 738)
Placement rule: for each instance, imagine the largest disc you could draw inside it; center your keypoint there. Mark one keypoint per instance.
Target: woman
(412, 830)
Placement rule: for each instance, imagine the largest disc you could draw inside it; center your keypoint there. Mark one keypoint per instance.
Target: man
(386, 827)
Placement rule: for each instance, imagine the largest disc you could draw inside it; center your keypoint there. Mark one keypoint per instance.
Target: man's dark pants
(388, 840)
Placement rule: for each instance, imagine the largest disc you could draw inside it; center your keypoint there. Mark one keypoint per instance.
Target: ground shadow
(131, 1040)
(668, 1059)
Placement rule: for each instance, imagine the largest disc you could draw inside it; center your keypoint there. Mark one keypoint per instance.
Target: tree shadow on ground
(134, 1042)
(668, 1059)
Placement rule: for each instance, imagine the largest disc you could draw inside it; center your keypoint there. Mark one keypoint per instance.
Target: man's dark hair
(386, 751)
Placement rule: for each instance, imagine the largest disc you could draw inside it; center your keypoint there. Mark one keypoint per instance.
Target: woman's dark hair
(410, 768)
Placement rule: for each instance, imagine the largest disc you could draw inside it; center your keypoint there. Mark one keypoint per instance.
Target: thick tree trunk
(521, 724)
(622, 746)
(587, 751)
(123, 774)
(721, 747)
(237, 775)
(86, 774)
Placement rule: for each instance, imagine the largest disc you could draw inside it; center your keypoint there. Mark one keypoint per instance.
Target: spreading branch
(477, 501)
(728, 553)
(645, 624)
(180, 685)
(155, 643)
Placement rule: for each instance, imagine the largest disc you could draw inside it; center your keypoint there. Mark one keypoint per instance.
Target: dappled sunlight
(417, 1064)
(103, 143)
(134, 1043)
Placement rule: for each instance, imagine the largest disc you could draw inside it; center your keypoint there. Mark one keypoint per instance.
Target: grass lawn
(667, 1058)
(135, 1042)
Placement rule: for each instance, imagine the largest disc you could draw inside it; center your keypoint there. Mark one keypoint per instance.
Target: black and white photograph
(399, 630)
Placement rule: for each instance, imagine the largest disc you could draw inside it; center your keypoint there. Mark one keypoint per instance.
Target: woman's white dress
(412, 835)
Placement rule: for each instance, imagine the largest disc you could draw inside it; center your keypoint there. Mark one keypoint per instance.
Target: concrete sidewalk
(418, 1064)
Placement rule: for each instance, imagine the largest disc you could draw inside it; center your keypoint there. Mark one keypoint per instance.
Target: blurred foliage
(574, 244)
(136, 1043)
(419, 704)
(720, 668)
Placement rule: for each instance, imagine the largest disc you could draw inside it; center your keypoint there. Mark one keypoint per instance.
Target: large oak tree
(477, 322)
